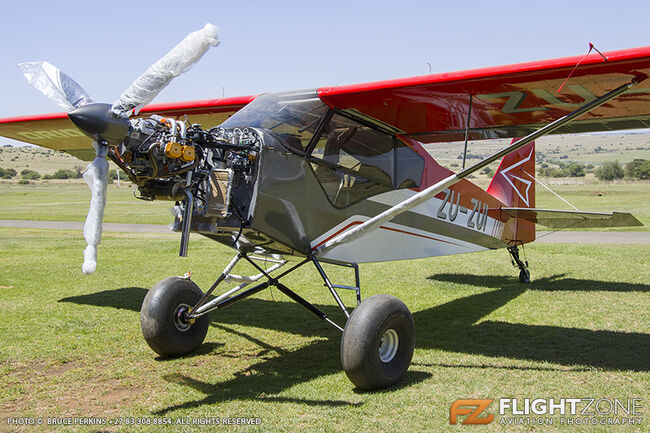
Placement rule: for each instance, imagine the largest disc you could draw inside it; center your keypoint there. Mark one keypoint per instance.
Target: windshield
(292, 117)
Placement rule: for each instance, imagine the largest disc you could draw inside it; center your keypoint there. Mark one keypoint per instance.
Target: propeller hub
(99, 123)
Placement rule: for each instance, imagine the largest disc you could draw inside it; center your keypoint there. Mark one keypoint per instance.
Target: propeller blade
(96, 176)
(55, 84)
(179, 60)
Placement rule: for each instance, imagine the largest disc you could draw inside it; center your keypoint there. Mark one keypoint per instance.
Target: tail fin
(514, 185)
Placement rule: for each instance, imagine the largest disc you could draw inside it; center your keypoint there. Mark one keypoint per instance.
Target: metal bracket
(187, 222)
(514, 253)
(332, 287)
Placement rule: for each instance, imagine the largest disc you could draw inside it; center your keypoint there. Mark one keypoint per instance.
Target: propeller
(107, 124)
(56, 85)
(177, 61)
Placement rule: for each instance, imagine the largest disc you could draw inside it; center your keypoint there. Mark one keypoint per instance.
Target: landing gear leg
(378, 338)
(524, 273)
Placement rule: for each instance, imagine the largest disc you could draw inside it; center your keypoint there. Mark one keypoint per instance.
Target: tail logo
(525, 183)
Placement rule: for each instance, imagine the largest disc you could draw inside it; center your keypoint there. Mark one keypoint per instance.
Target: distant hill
(42, 160)
(591, 149)
(585, 148)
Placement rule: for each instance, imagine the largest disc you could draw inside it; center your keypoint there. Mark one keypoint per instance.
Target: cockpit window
(292, 118)
(353, 161)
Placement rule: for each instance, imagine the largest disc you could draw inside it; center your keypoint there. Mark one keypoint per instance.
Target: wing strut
(469, 119)
(430, 192)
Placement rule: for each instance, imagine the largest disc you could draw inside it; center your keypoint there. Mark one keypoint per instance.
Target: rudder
(514, 185)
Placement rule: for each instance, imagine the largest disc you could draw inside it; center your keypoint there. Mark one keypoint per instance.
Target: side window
(353, 161)
(408, 167)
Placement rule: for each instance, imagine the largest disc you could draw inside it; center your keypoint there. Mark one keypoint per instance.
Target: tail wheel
(378, 342)
(163, 317)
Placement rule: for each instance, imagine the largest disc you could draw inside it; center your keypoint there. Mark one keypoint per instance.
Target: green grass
(71, 344)
(69, 202)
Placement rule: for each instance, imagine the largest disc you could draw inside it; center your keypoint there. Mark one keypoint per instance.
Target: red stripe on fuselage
(354, 223)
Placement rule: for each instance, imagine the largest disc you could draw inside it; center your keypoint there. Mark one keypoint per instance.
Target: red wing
(507, 101)
(56, 131)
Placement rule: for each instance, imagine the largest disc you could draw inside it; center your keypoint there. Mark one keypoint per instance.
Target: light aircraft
(335, 175)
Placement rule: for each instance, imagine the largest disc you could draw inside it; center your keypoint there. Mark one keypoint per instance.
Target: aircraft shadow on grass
(554, 283)
(453, 326)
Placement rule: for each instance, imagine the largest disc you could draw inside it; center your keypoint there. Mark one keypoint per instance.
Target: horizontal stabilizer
(561, 219)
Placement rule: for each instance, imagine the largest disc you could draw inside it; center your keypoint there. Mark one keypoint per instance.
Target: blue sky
(283, 45)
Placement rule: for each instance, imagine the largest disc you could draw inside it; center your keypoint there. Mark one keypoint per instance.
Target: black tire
(362, 349)
(161, 317)
(524, 276)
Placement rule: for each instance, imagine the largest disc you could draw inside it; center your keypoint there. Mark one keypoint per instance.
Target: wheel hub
(181, 321)
(388, 345)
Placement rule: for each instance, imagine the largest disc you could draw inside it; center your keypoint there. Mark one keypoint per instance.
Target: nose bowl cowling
(99, 123)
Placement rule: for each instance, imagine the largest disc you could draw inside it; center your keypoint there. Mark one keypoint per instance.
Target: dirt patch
(63, 389)
(24, 369)
(60, 369)
(102, 398)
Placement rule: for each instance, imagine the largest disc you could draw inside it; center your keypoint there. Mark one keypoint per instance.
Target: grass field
(632, 197)
(71, 344)
(69, 202)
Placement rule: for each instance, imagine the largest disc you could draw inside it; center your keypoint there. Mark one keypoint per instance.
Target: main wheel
(378, 342)
(163, 317)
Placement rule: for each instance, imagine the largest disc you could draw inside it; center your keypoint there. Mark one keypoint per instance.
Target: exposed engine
(168, 160)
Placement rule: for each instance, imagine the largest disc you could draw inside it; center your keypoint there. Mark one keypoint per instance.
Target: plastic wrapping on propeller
(180, 59)
(55, 84)
(96, 176)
